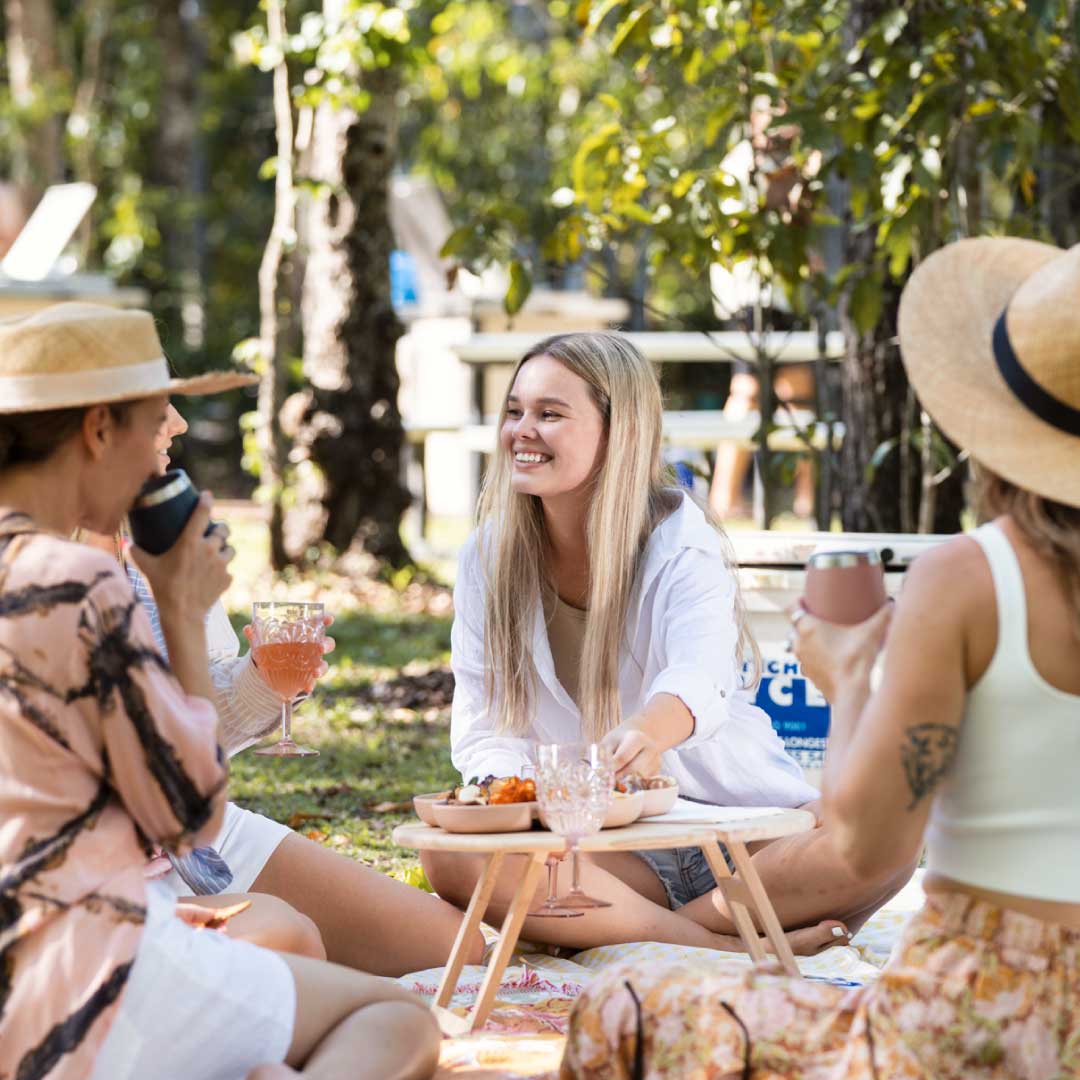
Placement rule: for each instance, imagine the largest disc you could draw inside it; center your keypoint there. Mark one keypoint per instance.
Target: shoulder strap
(1008, 588)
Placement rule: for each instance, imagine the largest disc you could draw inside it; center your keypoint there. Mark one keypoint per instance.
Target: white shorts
(197, 1005)
(246, 842)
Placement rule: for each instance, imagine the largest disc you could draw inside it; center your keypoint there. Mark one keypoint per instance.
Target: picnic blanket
(524, 1035)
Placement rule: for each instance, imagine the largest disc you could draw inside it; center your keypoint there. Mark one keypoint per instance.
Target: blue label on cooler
(799, 714)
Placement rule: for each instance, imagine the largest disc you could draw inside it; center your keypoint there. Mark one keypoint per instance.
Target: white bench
(704, 429)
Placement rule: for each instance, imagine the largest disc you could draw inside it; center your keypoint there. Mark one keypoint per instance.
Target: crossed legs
(809, 885)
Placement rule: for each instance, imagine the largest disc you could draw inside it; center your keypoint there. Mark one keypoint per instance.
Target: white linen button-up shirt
(683, 640)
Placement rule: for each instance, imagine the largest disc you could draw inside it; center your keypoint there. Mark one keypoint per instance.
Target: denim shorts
(684, 872)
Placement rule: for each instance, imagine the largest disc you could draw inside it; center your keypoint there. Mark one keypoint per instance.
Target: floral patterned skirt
(973, 992)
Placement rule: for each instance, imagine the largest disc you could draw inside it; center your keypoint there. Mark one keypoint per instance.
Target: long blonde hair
(1052, 528)
(632, 495)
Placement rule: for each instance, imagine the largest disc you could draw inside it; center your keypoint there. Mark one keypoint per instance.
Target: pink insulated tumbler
(844, 586)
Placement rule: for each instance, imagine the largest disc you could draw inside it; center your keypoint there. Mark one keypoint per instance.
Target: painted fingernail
(839, 931)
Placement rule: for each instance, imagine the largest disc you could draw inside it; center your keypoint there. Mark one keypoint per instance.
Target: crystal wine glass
(550, 908)
(287, 646)
(574, 787)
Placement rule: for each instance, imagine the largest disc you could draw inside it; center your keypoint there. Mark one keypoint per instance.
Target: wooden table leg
(508, 936)
(738, 899)
(762, 907)
(485, 886)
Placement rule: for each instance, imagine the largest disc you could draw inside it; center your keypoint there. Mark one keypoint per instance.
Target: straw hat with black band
(71, 355)
(990, 337)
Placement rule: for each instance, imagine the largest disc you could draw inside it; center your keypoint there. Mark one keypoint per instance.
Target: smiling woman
(552, 430)
(597, 601)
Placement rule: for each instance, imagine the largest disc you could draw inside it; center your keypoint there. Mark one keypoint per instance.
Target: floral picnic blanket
(523, 1037)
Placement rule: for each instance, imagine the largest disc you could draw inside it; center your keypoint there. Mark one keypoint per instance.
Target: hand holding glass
(287, 647)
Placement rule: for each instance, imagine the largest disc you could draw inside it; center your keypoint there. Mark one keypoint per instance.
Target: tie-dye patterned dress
(102, 754)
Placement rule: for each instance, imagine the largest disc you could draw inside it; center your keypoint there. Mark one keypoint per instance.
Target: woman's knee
(411, 1025)
(453, 875)
(285, 929)
(306, 937)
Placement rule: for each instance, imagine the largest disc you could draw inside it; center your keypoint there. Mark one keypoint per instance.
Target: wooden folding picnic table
(743, 890)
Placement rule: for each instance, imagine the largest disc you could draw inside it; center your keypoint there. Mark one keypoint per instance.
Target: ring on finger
(796, 615)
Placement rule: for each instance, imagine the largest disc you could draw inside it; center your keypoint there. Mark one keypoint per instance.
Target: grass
(372, 759)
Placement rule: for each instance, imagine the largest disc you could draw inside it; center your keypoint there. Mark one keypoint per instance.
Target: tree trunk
(97, 16)
(876, 399)
(274, 331)
(180, 168)
(875, 394)
(37, 154)
(349, 428)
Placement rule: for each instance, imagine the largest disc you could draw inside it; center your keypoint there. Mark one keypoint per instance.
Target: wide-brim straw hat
(78, 354)
(990, 337)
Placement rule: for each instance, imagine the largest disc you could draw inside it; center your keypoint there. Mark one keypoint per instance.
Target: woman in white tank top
(971, 742)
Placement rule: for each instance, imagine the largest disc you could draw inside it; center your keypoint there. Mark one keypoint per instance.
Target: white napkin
(685, 812)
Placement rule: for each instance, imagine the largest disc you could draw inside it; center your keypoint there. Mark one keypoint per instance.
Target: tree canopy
(629, 145)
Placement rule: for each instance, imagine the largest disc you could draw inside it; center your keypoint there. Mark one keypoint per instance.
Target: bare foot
(809, 941)
(812, 940)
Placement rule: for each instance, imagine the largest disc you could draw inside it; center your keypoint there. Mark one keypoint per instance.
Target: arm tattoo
(926, 756)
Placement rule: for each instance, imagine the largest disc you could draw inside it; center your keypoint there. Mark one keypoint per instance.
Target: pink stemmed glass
(575, 785)
(287, 646)
(550, 908)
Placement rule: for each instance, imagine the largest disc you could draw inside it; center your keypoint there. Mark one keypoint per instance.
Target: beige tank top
(566, 633)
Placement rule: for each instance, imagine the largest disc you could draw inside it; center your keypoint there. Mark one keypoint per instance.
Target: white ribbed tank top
(1007, 816)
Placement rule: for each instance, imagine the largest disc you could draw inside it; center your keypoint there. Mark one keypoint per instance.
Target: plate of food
(626, 806)
(659, 792)
(494, 804)
(422, 804)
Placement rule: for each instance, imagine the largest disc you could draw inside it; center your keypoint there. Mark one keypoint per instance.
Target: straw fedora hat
(88, 354)
(990, 337)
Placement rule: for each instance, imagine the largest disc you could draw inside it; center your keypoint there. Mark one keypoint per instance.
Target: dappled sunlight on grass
(359, 788)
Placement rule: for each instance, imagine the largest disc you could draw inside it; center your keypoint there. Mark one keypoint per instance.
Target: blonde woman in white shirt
(597, 602)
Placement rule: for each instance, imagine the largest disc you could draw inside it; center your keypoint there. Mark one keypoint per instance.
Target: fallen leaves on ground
(433, 689)
(300, 817)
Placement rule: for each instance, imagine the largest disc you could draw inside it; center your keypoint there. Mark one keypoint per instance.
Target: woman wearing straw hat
(105, 749)
(971, 742)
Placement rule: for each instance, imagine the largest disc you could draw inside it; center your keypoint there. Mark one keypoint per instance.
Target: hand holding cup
(193, 573)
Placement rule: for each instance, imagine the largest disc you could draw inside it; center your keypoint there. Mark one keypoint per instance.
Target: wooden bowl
(502, 817)
(422, 805)
(624, 809)
(660, 800)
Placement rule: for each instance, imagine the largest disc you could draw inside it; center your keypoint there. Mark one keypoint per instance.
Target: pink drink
(288, 666)
(844, 586)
